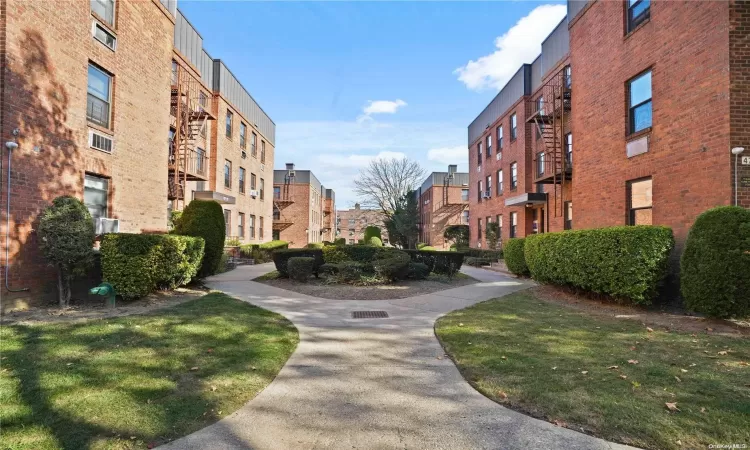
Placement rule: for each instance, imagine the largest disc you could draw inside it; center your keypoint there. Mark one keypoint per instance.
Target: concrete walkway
(374, 383)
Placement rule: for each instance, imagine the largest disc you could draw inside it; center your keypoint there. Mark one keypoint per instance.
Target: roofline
(244, 88)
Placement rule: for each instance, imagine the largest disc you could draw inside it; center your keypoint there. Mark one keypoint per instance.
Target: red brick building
(655, 94)
(89, 94)
(303, 209)
(443, 200)
(351, 223)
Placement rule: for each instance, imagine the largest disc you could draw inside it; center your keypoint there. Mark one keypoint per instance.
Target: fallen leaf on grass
(560, 423)
(213, 388)
(460, 324)
(210, 350)
(744, 363)
(585, 372)
(613, 367)
(194, 368)
(703, 410)
(624, 377)
(554, 368)
(649, 329)
(671, 406)
(678, 379)
(709, 329)
(683, 370)
(502, 395)
(632, 361)
(503, 357)
(722, 353)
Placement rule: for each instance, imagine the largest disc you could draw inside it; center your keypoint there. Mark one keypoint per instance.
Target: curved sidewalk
(374, 383)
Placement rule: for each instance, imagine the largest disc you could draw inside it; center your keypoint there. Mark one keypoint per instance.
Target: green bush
(334, 255)
(314, 245)
(418, 270)
(420, 245)
(340, 241)
(361, 253)
(391, 264)
(375, 242)
(300, 268)
(348, 271)
(476, 262)
(137, 264)
(715, 266)
(281, 258)
(428, 248)
(262, 253)
(458, 234)
(66, 238)
(372, 231)
(205, 219)
(627, 262)
(360, 241)
(492, 255)
(444, 263)
(235, 242)
(513, 252)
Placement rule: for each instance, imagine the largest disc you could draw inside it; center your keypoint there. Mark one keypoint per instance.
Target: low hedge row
(138, 264)
(262, 253)
(300, 268)
(513, 253)
(491, 255)
(626, 262)
(444, 263)
(281, 258)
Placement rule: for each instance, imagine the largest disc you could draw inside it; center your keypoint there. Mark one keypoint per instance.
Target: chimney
(289, 166)
(356, 206)
(453, 168)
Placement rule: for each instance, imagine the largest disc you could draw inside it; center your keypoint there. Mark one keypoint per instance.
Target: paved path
(373, 383)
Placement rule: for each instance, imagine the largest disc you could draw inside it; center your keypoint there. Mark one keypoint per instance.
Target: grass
(556, 363)
(136, 381)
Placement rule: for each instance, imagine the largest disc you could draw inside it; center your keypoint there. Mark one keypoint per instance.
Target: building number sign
(746, 160)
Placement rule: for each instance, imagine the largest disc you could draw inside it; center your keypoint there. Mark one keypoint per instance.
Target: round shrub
(418, 271)
(372, 231)
(339, 241)
(421, 245)
(314, 245)
(334, 255)
(202, 218)
(427, 248)
(300, 268)
(375, 242)
(715, 266)
(392, 264)
(514, 256)
(281, 258)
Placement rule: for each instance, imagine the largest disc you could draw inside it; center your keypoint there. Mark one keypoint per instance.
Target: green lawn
(136, 381)
(557, 363)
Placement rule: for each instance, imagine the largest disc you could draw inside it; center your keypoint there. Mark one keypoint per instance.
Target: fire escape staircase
(281, 200)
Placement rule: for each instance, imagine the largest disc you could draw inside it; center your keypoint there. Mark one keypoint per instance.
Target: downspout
(10, 145)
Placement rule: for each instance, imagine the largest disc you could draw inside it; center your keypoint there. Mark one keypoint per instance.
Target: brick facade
(352, 224)
(442, 202)
(304, 208)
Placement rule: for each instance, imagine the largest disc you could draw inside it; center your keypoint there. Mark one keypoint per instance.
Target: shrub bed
(137, 264)
(715, 266)
(418, 270)
(627, 262)
(205, 219)
(513, 252)
(262, 253)
(491, 255)
(300, 268)
(444, 263)
(476, 262)
(281, 258)
(392, 264)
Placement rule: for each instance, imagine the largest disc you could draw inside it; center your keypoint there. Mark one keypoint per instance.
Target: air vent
(102, 35)
(101, 142)
(369, 315)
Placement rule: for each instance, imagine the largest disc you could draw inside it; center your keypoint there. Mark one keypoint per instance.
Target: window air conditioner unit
(486, 194)
(100, 141)
(262, 167)
(291, 174)
(253, 193)
(103, 225)
(244, 154)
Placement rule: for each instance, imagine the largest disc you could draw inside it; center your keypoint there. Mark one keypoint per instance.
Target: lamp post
(736, 151)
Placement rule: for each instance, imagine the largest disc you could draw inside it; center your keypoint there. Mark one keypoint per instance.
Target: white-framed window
(96, 195)
(243, 133)
(99, 97)
(499, 181)
(105, 9)
(464, 195)
(513, 127)
(513, 224)
(241, 225)
(228, 124)
(513, 176)
(639, 105)
(500, 138)
(489, 145)
(253, 144)
(103, 35)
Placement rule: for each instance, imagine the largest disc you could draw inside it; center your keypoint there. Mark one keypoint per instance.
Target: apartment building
(443, 200)
(351, 223)
(645, 149)
(91, 90)
(222, 139)
(303, 209)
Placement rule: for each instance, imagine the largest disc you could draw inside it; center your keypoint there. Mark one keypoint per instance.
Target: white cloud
(520, 44)
(356, 161)
(449, 155)
(383, 107)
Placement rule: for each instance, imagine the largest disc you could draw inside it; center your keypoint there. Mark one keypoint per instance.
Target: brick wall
(295, 220)
(439, 215)
(739, 77)
(361, 219)
(46, 55)
(685, 45)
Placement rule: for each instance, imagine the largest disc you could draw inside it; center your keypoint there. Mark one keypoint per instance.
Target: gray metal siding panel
(555, 47)
(187, 41)
(574, 7)
(206, 68)
(514, 89)
(171, 6)
(536, 73)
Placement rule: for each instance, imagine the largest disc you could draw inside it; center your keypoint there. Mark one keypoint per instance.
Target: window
(465, 217)
(253, 142)
(540, 164)
(104, 36)
(489, 185)
(99, 97)
(227, 173)
(638, 12)
(227, 221)
(499, 182)
(639, 202)
(242, 180)
(499, 227)
(569, 149)
(262, 151)
(276, 192)
(639, 91)
(513, 176)
(479, 228)
(568, 74)
(252, 226)
(489, 145)
(252, 182)
(479, 191)
(464, 195)
(540, 105)
(513, 224)
(241, 226)
(262, 188)
(229, 119)
(351, 241)
(105, 9)
(260, 228)
(568, 225)
(200, 157)
(513, 127)
(276, 213)
(479, 153)
(95, 195)
(500, 138)
(243, 132)
(202, 99)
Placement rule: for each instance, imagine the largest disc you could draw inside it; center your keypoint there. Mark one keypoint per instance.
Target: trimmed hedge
(491, 255)
(300, 268)
(375, 242)
(314, 245)
(137, 264)
(372, 231)
(392, 264)
(205, 219)
(339, 241)
(627, 262)
(513, 253)
(476, 262)
(715, 266)
(281, 258)
(262, 253)
(444, 263)
(418, 271)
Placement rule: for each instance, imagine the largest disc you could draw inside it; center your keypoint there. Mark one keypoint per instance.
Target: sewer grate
(369, 315)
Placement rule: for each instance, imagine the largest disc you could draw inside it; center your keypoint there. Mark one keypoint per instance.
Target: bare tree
(385, 182)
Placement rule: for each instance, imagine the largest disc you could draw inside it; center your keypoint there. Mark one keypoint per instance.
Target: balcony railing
(545, 167)
(194, 163)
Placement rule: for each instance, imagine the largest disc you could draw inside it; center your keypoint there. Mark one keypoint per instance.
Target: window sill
(104, 23)
(635, 30)
(101, 129)
(638, 134)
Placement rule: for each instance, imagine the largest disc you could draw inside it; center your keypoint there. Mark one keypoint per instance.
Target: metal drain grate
(369, 315)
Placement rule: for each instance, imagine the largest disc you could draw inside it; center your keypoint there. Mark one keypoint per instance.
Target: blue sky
(346, 82)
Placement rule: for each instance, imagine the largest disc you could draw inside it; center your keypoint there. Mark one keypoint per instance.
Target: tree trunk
(63, 287)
